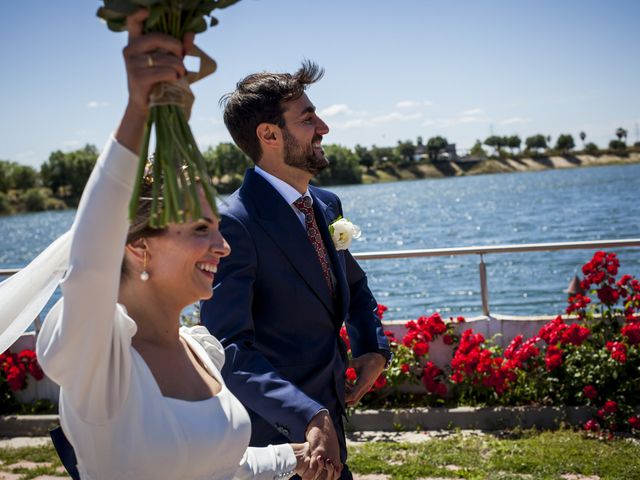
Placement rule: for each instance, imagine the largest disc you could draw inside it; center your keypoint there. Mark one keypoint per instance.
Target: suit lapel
(325, 214)
(280, 222)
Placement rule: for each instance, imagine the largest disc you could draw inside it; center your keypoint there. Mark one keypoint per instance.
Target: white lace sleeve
(272, 462)
(84, 344)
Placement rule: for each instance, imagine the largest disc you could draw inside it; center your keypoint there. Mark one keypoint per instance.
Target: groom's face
(302, 136)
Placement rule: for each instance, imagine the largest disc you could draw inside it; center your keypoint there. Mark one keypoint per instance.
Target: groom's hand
(323, 443)
(368, 368)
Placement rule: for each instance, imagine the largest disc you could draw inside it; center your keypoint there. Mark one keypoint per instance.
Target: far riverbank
(440, 169)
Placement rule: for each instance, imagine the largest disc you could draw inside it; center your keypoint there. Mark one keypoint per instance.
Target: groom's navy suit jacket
(274, 314)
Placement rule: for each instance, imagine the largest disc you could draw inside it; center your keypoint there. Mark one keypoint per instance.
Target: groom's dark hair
(258, 99)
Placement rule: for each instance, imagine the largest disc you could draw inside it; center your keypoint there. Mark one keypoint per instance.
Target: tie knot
(304, 205)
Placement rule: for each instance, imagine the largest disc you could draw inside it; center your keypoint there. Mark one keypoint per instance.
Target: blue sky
(394, 69)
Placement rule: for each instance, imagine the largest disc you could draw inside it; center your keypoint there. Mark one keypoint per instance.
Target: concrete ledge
(489, 418)
(27, 425)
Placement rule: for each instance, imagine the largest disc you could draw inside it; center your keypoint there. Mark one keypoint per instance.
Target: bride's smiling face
(184, 259)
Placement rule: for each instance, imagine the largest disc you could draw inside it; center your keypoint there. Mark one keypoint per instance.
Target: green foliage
(34, 200)
(343, 167)
(434, 145)
(67, 173)
(477, 151)
(5, 207)
(364, 156)
(16, 176)
(406, 150)
(226, 159)
(591, 148)
(536, 142)
(617, 145)
(621, 133)
(565, 142)
(513, 142)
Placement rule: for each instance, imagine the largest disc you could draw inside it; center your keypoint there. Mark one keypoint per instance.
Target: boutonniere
(343, 232)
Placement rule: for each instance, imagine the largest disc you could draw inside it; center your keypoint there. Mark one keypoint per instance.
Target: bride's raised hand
(150, 59)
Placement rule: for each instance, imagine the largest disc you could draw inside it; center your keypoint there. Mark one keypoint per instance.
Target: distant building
(448, 154)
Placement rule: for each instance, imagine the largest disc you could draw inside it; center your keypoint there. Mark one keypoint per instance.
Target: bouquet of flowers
(177, 161)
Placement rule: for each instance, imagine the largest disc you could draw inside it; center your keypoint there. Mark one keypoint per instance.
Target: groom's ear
(269, 135)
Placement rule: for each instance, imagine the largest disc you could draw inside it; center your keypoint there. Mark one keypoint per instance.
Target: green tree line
(60, 181)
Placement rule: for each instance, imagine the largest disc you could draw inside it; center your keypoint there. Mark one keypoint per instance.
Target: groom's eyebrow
(309, 109)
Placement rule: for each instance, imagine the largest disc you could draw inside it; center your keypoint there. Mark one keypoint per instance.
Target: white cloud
(97, 104)
(396, 117)
(413, 104)
(335, 110)
(511, 121)
(471, 113)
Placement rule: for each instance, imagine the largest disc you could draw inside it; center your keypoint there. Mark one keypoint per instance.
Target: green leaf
(146, 3)
(213, 22)
(225, 3)
(154, 16)
(107, 14)
(196, 25)
(124, 7)
(117, 25)
(205, 8)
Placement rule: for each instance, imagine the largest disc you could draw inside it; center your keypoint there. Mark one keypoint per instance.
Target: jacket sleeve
(364, 327)
(366, 333)
(248, 374)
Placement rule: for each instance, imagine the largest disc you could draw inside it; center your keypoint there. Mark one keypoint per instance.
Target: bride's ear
(138, 248)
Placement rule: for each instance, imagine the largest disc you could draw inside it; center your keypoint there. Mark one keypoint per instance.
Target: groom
(283, 293)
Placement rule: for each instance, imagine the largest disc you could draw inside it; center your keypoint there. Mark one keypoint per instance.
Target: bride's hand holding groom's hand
(322, 470)
(368, 368)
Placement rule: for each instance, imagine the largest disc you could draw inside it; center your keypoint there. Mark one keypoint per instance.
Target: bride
(140, 397)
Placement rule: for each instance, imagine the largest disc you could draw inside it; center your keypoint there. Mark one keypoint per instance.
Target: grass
(45, 457)
(522, 455)
(518, 455)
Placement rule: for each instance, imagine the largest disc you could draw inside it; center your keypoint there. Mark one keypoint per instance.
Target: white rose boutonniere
(343, 232)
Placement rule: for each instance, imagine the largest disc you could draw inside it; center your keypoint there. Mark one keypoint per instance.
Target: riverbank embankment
(440, 169)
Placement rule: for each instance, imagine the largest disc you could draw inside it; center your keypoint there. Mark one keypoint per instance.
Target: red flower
(351, 374)
(632, 332)
(590, 392)
(610, 406)
(420, 348)
(447, 339)
(460, 319)
(380, 310)
(575, 335)
(618, 351)
(345, 337)
(380, 382)
(553, 358)
(404, 368)
(592, 426)
(634, 422)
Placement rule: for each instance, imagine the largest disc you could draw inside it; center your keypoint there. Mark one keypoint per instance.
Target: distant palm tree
(621, 133)
(582, 137)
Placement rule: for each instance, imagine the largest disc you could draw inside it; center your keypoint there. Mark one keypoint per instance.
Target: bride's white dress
(111, 408)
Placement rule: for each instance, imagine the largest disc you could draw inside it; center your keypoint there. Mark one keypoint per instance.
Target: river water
(548, 206)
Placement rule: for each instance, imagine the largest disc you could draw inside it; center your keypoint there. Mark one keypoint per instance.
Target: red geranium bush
(589, 357)
(15, 368)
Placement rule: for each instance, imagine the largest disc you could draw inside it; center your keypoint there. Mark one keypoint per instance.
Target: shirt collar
(287, 192)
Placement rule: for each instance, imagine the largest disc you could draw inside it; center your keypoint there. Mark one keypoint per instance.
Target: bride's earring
(144, 275)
